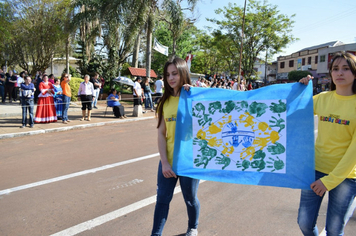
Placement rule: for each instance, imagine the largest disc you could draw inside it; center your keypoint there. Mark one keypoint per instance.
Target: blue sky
(316, 21)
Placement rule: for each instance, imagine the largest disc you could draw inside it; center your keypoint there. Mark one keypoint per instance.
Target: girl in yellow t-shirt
(176, 75)
(335, 150)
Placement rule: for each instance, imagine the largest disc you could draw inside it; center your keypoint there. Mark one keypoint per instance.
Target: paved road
(102, 181)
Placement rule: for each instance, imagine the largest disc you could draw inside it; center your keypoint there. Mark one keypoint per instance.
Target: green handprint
(223, 160)
(276, 149)
(245, 164)
(278, 108)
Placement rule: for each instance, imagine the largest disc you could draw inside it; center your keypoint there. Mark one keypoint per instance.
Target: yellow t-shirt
(335, 147)
(170, 108)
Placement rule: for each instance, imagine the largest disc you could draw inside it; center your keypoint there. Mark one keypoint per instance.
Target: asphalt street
(101, 180)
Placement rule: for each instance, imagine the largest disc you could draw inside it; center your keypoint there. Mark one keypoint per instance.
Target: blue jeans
(148, 101)
(66, 101)
(165, 189)
(96, 94)
(341, 205)
(158, 96)
(27, 104)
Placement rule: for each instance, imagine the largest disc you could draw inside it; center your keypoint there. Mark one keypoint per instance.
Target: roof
(141, 72)
(329, 44)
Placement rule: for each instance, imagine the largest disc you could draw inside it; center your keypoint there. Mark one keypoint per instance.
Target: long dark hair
(351, 61)
(184, 76)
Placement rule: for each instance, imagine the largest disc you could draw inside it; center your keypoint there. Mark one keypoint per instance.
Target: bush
(72, 71)
(74, 87)
(296, 75)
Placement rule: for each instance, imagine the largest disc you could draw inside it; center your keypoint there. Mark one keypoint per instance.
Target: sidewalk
(11, 116)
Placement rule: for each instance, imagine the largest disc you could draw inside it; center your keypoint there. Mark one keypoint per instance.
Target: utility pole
(242, 37)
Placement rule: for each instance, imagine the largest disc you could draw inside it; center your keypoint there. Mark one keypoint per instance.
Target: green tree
(296, 75)
(266, 29)
(119, 22)
(37, 32)
(6, 23)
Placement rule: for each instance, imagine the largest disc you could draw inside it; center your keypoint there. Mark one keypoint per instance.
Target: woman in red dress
(46, 111)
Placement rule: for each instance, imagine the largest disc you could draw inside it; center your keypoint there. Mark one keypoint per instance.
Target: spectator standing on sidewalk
(176, 75)
(147, 93)
(51, 79)
(159, 85)
(46, 111)
(2, 86)
(58, 98)
(20, 80)
(10, 84)
(66, 96)
(97, 85)
(27, 92)
(102, 81)
(86, 95)
(137, 92)
(38, 80)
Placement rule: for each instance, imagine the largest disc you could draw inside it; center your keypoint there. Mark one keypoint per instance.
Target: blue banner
(258, 137)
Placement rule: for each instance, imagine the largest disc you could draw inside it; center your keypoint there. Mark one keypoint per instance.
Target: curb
(44, 131)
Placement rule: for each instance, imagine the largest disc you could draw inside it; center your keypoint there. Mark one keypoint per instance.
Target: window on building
(316, 59)
(303, 61)
(322, 58)
(309, 60)
(291, 63)
(282, 65)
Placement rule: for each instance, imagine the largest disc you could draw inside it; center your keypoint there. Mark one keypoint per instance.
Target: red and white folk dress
(46, 111)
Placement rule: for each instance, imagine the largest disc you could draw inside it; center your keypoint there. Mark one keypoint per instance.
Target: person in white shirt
(235, 86)
(86, 94)
(20, 80)
(137, 92)
(159, 85)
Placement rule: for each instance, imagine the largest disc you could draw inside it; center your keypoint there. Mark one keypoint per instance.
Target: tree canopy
(105, 34)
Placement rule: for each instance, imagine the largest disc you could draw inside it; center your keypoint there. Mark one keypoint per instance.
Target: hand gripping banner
(258, 137)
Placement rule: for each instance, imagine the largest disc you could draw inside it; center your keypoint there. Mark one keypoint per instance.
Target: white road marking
(90, 224)
(64, 177)
(323, 233)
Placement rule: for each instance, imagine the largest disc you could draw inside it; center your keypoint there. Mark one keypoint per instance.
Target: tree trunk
(136, 51)
(149, 49)
(67, 54)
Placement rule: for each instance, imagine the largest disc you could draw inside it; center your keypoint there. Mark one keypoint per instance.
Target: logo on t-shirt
(174, 118)
(334, 119)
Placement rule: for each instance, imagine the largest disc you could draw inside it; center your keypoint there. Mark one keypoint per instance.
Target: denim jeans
(96, 94)
(148, 101)
(66, 101)
(340, 208)
(27, 104)
(165, 189)
(158, 96)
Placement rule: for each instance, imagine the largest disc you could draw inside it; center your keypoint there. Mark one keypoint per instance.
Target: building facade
(305, 59)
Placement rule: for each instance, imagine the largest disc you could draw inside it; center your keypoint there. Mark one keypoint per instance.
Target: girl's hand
(187, 87)
(305, 80)
(167, 171)
(318, 187)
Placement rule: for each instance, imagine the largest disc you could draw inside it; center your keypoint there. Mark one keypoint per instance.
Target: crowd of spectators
(52, 95)
(226, 83)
